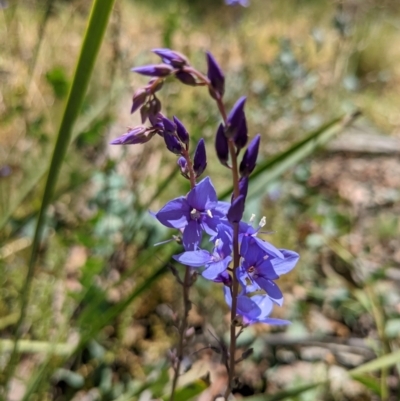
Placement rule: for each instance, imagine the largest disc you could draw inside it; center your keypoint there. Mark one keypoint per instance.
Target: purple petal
(203, 196)
(216, 268)
(175, 214)
(265, 269)
(194, 258)
(269, 248)
(285, 265)
(192, 236)
(263, 307)
(271, 289)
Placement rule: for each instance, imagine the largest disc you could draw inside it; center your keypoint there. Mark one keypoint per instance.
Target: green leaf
(189, 391)
(283, 395)
(271, 169)
(370, 382)
(377, 364)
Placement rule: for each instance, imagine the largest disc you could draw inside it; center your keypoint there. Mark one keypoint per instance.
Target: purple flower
(215, 263)
(261, 264)
(197, 212)
(255, 309)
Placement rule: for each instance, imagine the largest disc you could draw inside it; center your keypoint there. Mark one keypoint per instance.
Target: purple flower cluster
(200, 216)
(261, 263)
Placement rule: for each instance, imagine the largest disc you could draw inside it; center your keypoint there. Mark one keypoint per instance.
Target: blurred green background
(101, 301)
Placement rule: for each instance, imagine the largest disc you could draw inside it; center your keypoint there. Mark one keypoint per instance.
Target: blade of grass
(97, 24)
(189, 391)
(279, 164)
(382, 362)
(285, 394)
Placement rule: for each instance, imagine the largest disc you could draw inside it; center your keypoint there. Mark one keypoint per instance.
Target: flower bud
(235, 212)
(134, 136)
(181, 131)
(172, 57)
(200, 158)
(154, 70)
(154, 85)
(182, 163)
(241, 137)
(139, 98)
(172, 142)
(250, 157)
(169, 126)
(216, 76)
(221, 145)
(235, 118)
(243, 186)
(186, 78)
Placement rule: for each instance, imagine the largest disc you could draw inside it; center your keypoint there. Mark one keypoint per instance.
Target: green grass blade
(285, 394)
(370, 382)
(97, 24)
(377, 364)
(189, 391)
(279, 164)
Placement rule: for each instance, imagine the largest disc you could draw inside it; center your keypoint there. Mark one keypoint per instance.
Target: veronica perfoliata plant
(244, 265)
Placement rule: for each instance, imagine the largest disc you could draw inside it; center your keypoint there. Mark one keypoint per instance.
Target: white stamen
(263, 222)
(252, 217)
(209, 213)
(217, 242)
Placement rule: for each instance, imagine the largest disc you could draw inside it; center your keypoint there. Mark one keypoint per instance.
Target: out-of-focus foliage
(302, 64)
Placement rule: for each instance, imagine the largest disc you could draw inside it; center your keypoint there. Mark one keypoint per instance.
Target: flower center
(194, 214)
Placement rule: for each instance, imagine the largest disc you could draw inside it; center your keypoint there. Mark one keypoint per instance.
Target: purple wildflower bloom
(215, 263)
(197, 212)
(262, 263)
(255, 309)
